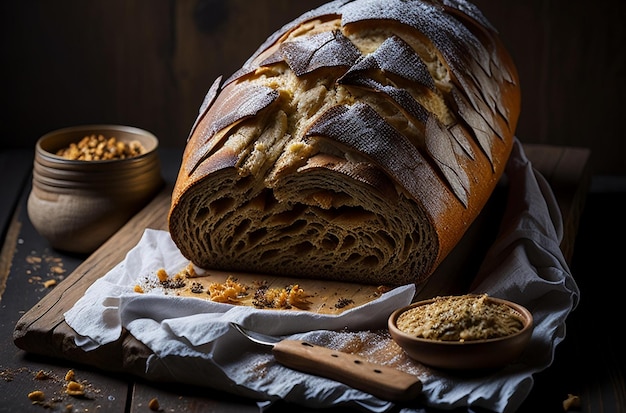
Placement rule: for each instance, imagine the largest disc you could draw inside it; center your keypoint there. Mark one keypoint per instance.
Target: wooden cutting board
(43, 330)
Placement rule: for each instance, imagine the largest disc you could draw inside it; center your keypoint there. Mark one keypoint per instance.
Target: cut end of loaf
(300, 230)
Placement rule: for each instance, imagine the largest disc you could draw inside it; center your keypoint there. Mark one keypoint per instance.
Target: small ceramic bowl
(474, 354)
(78, 204)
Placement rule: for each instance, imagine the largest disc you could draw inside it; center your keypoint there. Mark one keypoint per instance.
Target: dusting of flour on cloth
(193, 343)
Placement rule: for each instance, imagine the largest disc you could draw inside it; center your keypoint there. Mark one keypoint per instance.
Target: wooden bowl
(78, 204)
(468, 354)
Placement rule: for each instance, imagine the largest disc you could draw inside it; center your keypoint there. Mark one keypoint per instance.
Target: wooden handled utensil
(381, 381)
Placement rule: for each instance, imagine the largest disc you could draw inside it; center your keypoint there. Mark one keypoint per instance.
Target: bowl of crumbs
(88, 181)
(462, 332)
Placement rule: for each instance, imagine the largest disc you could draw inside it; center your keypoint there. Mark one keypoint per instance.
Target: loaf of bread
(358, 143)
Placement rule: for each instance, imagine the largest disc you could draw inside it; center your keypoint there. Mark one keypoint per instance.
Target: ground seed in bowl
(460, 318)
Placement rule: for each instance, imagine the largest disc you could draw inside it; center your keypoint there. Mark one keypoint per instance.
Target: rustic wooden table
(587, 367)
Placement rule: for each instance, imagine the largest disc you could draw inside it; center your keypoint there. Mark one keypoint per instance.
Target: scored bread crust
(358, 143)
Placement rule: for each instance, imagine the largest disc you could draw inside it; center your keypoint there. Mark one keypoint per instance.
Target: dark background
(148, 63)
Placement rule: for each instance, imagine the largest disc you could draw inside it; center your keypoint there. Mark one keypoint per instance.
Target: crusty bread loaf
(358, 143)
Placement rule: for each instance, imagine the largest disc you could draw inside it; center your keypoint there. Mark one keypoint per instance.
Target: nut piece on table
(154, 404)
(572, 402)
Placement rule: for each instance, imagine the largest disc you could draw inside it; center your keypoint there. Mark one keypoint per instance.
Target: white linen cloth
(193, 343)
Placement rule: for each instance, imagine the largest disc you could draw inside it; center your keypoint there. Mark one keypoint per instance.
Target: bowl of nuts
(462, 332)
(89, 180)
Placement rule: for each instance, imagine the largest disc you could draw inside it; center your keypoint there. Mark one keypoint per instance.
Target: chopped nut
(288, 297)
(57, 269)
(99, 148)
(42, 375)
(162, 274)
(572, 402)
(177, 281)
(50, 283)
(154, 405)
(75, 389)
(36, 396)
(189, 271)
(229, 291)
(69, 376)
(31, 259)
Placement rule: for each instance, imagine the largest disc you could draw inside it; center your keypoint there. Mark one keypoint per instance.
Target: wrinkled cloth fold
(192, 341)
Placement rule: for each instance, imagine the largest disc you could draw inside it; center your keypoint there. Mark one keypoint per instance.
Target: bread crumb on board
(233, 291)
(276, 293)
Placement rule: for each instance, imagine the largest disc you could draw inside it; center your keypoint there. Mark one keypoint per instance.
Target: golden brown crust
(400, 116)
